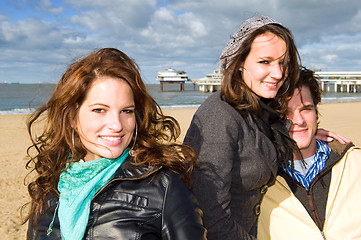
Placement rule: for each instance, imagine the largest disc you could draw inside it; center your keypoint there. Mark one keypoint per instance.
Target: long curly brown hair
(156, 136)
(236, 92)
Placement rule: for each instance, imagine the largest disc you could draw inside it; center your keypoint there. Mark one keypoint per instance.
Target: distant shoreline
(24, 98)
(25, 111)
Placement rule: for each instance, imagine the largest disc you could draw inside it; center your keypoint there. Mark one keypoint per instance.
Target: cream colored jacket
(284, 217)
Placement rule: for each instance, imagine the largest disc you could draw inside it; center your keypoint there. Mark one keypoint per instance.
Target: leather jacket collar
(130, 171)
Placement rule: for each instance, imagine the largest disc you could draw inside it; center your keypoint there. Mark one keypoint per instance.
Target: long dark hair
(235, 91)
(156, 136)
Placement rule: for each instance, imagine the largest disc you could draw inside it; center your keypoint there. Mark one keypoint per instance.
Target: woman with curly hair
(107, 163)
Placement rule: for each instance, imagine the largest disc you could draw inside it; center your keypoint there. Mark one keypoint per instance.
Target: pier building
(210, 83)
(329, 81)
(172, 76)
(340, 81)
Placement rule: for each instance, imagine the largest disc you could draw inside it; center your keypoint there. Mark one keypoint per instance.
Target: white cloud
(165, 15)
(329, 58)
(184, 34)
(93, 20)
(74, 40)
(134, 13)
(47, 6)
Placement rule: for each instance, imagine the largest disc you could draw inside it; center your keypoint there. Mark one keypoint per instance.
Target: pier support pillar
(172, 82)
(201, 88)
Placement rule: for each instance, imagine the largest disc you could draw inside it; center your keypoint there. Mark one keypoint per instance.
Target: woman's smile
(106, 119)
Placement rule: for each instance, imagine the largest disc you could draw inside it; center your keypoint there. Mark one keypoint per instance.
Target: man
(319, 195)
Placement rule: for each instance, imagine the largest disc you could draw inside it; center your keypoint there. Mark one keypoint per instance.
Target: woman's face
(106, 118)
(262, 70)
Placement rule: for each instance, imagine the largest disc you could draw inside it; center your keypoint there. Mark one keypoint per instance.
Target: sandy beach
(342, 118)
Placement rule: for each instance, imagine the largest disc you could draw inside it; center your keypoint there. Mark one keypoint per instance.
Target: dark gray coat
(236, 162)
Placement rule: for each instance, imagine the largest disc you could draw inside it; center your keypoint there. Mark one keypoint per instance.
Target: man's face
(302, 113)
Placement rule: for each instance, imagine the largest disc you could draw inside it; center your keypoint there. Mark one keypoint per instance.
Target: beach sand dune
(342, 118)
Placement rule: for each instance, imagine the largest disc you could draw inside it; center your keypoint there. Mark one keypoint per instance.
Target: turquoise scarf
(77, 186)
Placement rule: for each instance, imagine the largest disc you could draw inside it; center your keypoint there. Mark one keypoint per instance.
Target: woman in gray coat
(238, 133)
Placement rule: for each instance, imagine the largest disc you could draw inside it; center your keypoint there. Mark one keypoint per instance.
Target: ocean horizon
(25, 98)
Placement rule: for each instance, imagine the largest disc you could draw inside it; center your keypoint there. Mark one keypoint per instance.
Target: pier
(329, 81)
(172, 76)
(210, 83)
(349, 82)
(172, 82)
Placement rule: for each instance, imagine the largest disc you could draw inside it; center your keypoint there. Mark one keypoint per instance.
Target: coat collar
(338, 151)
(131, 172)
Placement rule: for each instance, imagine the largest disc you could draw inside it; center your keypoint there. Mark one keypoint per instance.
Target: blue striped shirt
(319, 161)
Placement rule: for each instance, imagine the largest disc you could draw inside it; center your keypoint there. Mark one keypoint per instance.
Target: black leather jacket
(135, 204)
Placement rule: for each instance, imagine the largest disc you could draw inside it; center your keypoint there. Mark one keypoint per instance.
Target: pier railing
(340, 81)
(208, 84)
(329, 82)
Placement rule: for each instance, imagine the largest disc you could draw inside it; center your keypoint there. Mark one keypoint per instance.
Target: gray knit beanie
(243, 31)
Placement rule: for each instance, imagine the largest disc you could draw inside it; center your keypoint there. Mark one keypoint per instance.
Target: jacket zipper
(308, 197)
(320, 174)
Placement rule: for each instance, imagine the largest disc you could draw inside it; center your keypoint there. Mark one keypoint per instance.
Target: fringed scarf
(77, 186)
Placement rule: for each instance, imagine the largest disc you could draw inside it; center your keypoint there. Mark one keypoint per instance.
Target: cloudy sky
(40, 38)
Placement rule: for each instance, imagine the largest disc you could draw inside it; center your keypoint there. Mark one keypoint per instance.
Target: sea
(24, 98)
